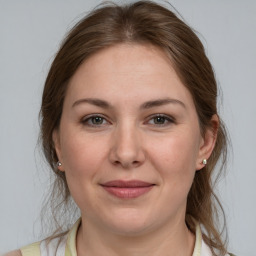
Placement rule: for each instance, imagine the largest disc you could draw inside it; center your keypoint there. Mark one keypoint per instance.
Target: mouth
(127, 189)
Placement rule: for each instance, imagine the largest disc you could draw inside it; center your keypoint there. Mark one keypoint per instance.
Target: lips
(127, 189)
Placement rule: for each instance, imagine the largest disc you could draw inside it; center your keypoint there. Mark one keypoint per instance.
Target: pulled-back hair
(142, 22)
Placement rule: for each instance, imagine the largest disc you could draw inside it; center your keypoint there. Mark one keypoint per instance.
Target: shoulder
(13, 253)
(29, 250)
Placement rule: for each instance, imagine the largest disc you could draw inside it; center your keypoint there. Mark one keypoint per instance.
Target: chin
(130, 223)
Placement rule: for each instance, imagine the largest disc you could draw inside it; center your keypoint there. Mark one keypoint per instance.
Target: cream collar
(201, 249)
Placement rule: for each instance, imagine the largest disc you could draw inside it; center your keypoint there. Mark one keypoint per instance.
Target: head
(146, 28)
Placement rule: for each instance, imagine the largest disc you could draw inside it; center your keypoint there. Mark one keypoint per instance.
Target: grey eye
(97, 120)
(159, 120)
(94, 121)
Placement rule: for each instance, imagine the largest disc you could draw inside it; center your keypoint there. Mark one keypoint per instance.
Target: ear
(56, 141)
(208, 142)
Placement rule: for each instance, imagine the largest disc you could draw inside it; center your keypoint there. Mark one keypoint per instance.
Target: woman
(130, 128)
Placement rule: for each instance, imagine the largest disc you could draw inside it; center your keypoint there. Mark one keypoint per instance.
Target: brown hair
(142, 22)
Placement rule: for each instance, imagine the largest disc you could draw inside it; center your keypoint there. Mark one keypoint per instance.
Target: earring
(59, 163)
(205, 162)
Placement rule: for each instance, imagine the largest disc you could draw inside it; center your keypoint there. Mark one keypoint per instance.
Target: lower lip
(127, 193)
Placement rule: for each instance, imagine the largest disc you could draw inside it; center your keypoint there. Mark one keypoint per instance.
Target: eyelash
(167, 118)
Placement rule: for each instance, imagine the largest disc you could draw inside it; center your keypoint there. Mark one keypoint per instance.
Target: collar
(200, 249)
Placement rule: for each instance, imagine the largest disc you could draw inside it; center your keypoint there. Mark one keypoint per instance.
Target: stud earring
(205, 162)
(59, 163)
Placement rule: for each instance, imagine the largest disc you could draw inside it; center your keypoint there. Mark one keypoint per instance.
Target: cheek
(83, 157)
(82, 154)
(175, 158)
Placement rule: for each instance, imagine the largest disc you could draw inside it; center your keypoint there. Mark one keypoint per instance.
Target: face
(129, 140)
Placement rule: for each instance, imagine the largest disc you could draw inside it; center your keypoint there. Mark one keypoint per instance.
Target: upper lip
(127, 184)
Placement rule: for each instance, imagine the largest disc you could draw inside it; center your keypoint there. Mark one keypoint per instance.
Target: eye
(94, 121)
(161, 120)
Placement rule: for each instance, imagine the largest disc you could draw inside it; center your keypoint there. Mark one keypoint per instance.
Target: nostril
(117, 163)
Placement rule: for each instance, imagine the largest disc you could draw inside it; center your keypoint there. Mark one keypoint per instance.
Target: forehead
(127, 71)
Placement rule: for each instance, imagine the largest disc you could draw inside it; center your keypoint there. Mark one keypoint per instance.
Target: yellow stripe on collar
(71, 241)
(198, 243)
(31, 250)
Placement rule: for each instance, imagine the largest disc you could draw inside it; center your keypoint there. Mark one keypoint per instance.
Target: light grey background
(30, 32)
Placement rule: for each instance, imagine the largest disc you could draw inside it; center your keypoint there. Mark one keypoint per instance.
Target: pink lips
(127, 189)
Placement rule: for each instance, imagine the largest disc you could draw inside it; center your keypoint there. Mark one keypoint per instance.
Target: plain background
(30, 32)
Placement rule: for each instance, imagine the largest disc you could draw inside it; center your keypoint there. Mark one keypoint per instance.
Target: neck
(168, 240)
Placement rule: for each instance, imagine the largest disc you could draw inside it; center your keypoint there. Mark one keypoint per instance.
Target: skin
(128, 142)
(14, 253)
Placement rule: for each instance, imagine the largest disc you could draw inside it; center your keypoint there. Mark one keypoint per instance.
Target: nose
(127, 151)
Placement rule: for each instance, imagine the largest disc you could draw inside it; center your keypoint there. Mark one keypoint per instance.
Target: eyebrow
(146, 105)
